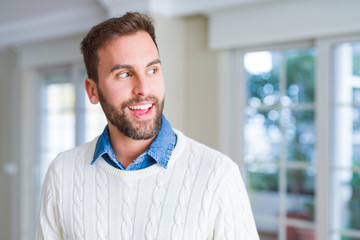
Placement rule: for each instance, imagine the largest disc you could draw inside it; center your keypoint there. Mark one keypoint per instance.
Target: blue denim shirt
(159, 151)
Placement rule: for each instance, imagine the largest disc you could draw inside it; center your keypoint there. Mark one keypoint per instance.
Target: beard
(131, 127)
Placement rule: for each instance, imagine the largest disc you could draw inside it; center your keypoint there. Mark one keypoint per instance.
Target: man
(140, 179)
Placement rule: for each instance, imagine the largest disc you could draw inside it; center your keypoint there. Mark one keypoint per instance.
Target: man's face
(131, 85)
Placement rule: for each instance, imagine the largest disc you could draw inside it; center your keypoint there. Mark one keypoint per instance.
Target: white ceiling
(24, 21)
(15, 10)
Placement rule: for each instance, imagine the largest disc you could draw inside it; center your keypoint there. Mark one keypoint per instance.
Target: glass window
(279, 138)
(57, 116)
(345, 164)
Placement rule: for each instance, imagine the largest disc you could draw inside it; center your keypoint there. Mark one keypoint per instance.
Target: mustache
(133, 101)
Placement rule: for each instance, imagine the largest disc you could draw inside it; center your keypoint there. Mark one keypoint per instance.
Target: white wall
(282, 21)
(8, 143)
(201, 84)
(171, 42)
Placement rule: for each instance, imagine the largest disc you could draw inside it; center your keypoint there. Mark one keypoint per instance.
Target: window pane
(345, 237)
(356, 58)
(263, 78)
(59, 119)
(300, 194)
(300, 66)
(296, 233)
(356, 96)
(262, 135)
(346, 200)
(263, 177)
(354, 201)
(356, 136)
(264, 182)
(60, 131)
(267, 231)
(299, 130)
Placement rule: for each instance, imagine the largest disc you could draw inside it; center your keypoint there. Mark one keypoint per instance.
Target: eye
(123, 75)
(152, 71)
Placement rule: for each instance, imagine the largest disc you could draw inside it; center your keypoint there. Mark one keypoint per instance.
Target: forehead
(129, 48)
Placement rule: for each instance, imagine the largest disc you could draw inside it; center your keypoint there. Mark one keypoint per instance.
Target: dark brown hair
(100, 35)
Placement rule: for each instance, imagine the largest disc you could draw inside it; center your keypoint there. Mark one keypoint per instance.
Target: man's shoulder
(80, 154)
(207, 155)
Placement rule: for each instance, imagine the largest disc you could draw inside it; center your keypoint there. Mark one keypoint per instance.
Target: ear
(91, 90)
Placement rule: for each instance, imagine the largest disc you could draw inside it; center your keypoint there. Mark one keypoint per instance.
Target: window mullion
(322, 121)
(241, 100)
(283, 157)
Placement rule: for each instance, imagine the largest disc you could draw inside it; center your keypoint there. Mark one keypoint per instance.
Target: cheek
(161, 90)
(115, 94)
(160, 87)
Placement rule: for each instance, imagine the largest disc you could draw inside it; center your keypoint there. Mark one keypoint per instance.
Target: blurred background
(275, 84)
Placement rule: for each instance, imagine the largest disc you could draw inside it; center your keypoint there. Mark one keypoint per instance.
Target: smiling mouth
(141, 107)
(142, 111)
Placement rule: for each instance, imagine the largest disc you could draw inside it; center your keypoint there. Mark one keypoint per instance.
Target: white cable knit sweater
(200, 196)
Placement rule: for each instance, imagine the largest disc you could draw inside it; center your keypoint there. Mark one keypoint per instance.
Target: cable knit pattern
(156, 206)
(244, 205)
(228, 228)
(206, 201)
(200, 196)
(47, 198)
(126, 226)
(101, 205)
(78, 206)
(184, 197)
(58, 184)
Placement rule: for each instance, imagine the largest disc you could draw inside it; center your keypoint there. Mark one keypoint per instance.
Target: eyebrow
(126, 66)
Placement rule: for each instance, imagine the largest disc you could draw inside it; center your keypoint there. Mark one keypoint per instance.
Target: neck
(127, 149)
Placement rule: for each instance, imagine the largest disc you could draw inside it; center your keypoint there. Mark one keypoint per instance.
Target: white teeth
(141, 107)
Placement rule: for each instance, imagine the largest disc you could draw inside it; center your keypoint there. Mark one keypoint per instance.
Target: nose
(141, 86)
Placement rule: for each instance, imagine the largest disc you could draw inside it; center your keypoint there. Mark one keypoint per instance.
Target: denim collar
(159, 151)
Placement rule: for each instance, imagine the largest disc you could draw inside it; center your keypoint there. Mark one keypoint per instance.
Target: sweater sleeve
(233, 215)
(48, 226)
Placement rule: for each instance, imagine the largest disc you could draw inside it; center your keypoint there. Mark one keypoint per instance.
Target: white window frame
(233, 92)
